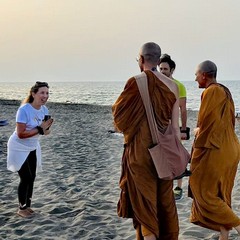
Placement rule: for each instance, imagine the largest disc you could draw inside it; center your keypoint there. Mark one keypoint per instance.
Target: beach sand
(75, 196)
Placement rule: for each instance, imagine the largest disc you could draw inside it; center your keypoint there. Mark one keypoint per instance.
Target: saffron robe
(214, 161)
(145, 198)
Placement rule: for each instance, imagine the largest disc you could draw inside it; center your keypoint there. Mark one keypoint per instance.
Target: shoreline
(49, 104)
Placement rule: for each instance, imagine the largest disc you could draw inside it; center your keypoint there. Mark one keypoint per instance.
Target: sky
(99, 40)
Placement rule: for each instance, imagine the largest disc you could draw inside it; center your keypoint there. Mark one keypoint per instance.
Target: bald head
(151, 52)
(209, 68)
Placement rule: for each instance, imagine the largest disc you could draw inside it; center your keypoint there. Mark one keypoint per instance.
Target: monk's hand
(196, 130)
(183, 136)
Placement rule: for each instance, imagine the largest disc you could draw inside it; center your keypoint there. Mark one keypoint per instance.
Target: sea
(103, 93)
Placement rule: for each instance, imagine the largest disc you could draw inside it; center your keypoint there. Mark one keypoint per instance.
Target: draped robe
(145, 198)
(214, 161)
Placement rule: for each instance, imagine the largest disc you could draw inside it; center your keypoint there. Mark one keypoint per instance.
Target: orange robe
(144, 197)
(214, 161)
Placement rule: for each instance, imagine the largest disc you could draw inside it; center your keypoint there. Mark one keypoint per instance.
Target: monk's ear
(142, 59)
(204, 75)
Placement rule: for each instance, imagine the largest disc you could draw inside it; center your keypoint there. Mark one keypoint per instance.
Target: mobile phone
(46, 117)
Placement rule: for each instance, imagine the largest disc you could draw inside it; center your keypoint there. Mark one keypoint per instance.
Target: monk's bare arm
(175, 118)
(183, 116)
(175, 112)
(183, 111)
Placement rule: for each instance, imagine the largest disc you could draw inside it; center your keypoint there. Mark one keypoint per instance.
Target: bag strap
(142, 84)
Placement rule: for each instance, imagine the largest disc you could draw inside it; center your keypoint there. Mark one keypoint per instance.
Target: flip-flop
(24, 216)
(3, 122)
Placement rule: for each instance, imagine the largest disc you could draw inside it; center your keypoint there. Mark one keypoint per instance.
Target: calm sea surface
(103, 93)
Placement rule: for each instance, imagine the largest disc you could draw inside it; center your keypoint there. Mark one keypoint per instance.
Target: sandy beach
(75, 196)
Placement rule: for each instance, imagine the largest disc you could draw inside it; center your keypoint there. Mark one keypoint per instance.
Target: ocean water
(103, 93)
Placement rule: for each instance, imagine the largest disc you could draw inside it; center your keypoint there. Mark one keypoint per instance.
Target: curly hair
(165, 58)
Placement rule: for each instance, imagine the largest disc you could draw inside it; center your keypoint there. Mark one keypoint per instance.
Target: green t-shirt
(181, 89)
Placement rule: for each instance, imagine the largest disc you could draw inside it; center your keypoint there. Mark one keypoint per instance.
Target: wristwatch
(40, 130)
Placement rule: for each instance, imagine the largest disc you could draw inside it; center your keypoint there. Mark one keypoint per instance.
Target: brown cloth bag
(168, 154)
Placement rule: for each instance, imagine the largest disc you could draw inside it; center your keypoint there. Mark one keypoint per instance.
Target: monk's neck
(210, 81)
(151, 68)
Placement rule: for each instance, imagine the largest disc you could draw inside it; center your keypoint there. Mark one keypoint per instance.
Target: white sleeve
(21, 116)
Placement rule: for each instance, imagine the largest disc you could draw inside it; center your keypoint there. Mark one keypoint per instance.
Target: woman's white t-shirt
(32, 117)
(19, 149)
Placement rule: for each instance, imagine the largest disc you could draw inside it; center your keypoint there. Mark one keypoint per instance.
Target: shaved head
(209, 68)
(151, 52)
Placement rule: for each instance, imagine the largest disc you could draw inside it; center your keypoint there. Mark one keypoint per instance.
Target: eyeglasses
(139, 58)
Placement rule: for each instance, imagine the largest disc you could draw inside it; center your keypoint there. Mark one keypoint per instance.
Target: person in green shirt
(167, 67)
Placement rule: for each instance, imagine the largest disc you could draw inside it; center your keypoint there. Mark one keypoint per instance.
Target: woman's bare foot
(24, 213)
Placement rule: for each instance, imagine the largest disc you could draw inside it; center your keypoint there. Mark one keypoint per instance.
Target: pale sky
(98, 40)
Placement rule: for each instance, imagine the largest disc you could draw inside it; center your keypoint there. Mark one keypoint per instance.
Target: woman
(24, 153)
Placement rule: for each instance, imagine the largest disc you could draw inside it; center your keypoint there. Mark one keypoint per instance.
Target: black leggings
(27, 175)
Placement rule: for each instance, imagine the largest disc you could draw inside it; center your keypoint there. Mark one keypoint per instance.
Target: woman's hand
(46, 125)
(46, 132)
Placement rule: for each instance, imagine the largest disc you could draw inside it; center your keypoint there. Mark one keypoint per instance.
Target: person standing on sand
(215, 156)
(167, 67)
(145, 198)
(24, 152)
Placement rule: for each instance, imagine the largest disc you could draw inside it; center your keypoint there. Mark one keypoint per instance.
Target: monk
(145, 198)
(215, 156)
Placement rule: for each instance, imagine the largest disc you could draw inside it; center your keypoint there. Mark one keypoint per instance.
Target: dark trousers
(27, 175)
